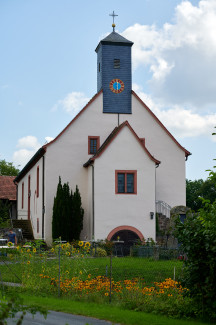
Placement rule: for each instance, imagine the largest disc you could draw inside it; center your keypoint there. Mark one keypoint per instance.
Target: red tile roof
(7, 188)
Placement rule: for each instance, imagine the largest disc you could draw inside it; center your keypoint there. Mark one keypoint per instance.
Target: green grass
(122, 268)
(108, 312)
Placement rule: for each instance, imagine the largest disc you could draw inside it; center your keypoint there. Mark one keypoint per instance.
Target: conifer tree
(57, 211)
(78, 214)
(67, 213)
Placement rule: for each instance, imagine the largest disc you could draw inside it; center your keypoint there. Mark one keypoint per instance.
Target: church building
(123, 159)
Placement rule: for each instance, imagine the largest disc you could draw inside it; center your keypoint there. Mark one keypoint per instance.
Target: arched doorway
(124, 237)
(127, 236)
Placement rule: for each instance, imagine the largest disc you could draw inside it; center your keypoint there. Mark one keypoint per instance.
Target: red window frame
(125, 172)
(89, 144)
(37, 181)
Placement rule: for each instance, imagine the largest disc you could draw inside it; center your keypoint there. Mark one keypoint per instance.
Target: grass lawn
(108, 312)
(122, 268)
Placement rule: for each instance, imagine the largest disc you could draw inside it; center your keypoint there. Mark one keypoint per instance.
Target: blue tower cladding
(114, 73)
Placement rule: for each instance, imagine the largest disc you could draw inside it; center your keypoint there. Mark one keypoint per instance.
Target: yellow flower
(34, 250)
(80, 272)
(10, 244)
(106, 294)
(80, 243)
(52, 250)
(87, 244)
(68, 253)
(28, 250)
(28, 262)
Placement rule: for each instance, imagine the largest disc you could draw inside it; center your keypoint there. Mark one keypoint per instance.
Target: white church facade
(120, 155)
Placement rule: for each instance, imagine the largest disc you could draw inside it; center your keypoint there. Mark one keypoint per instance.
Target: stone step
(26, 227)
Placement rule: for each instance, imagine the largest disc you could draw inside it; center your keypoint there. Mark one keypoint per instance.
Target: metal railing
(163, 208)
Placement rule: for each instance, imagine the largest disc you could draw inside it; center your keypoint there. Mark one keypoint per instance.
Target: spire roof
(114, 39)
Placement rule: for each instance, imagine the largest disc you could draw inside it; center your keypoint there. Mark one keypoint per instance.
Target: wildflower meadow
(82, 272)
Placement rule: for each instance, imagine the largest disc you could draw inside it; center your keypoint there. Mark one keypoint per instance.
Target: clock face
(116, 86)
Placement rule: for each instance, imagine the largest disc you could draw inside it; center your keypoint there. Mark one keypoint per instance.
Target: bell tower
(114, 72)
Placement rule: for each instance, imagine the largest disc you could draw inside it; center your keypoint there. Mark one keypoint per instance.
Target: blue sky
(48, 69)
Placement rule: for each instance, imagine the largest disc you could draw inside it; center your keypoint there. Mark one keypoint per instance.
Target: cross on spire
(113, 24)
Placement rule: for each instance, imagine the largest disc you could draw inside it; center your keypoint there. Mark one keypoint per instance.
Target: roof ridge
(187, 153)
(113, 134)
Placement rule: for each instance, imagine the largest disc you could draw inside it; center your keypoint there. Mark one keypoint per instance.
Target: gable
(116, 133)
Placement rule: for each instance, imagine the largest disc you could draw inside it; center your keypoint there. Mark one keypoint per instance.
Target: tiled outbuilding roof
(7, 188)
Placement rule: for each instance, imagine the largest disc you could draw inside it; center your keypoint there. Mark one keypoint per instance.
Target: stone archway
(124, 237)
(126, 233)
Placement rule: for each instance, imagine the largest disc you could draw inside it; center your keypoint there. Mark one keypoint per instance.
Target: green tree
(8, 169)
(67, 214)
(198, 189)
(193, 193)
(198, 240)
(67, 221)
(5, 213)
(57, 211)
(78, 214)
(197, 236)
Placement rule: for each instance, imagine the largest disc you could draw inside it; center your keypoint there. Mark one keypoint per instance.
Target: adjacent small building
(8, 194)
(123, 159)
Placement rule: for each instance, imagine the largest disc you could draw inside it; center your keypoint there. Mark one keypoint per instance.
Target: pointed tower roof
(114, 39)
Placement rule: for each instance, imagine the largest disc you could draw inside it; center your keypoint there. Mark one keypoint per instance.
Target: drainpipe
(155, 201)
(43, 207)
(93, 221)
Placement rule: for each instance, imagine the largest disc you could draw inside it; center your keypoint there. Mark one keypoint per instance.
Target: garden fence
(68, 270)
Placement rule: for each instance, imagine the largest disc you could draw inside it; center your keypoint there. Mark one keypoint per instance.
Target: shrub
(198, 239)
(99, 252)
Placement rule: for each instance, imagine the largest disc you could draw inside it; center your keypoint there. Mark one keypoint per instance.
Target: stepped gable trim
(187, 153)
(30, 164)
(42, 150)
(111, 137)
(7, 188)
(75, 118)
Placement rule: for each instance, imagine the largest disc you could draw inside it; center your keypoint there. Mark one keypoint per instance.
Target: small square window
(126, 182)
(93, 144)
(116, 63)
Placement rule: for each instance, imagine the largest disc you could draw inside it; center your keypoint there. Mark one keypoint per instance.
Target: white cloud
(72, 103)
(27, 147)
(22, 156)
(181, 122)
(48, 139)
(29, 142)
(181, 55)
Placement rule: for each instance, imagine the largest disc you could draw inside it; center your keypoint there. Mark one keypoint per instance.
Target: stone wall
(165, 227)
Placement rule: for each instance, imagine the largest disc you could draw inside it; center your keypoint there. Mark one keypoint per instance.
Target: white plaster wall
(170, 176)
(35, 202)
(113, 210)
(65, 157)
(22, 212)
